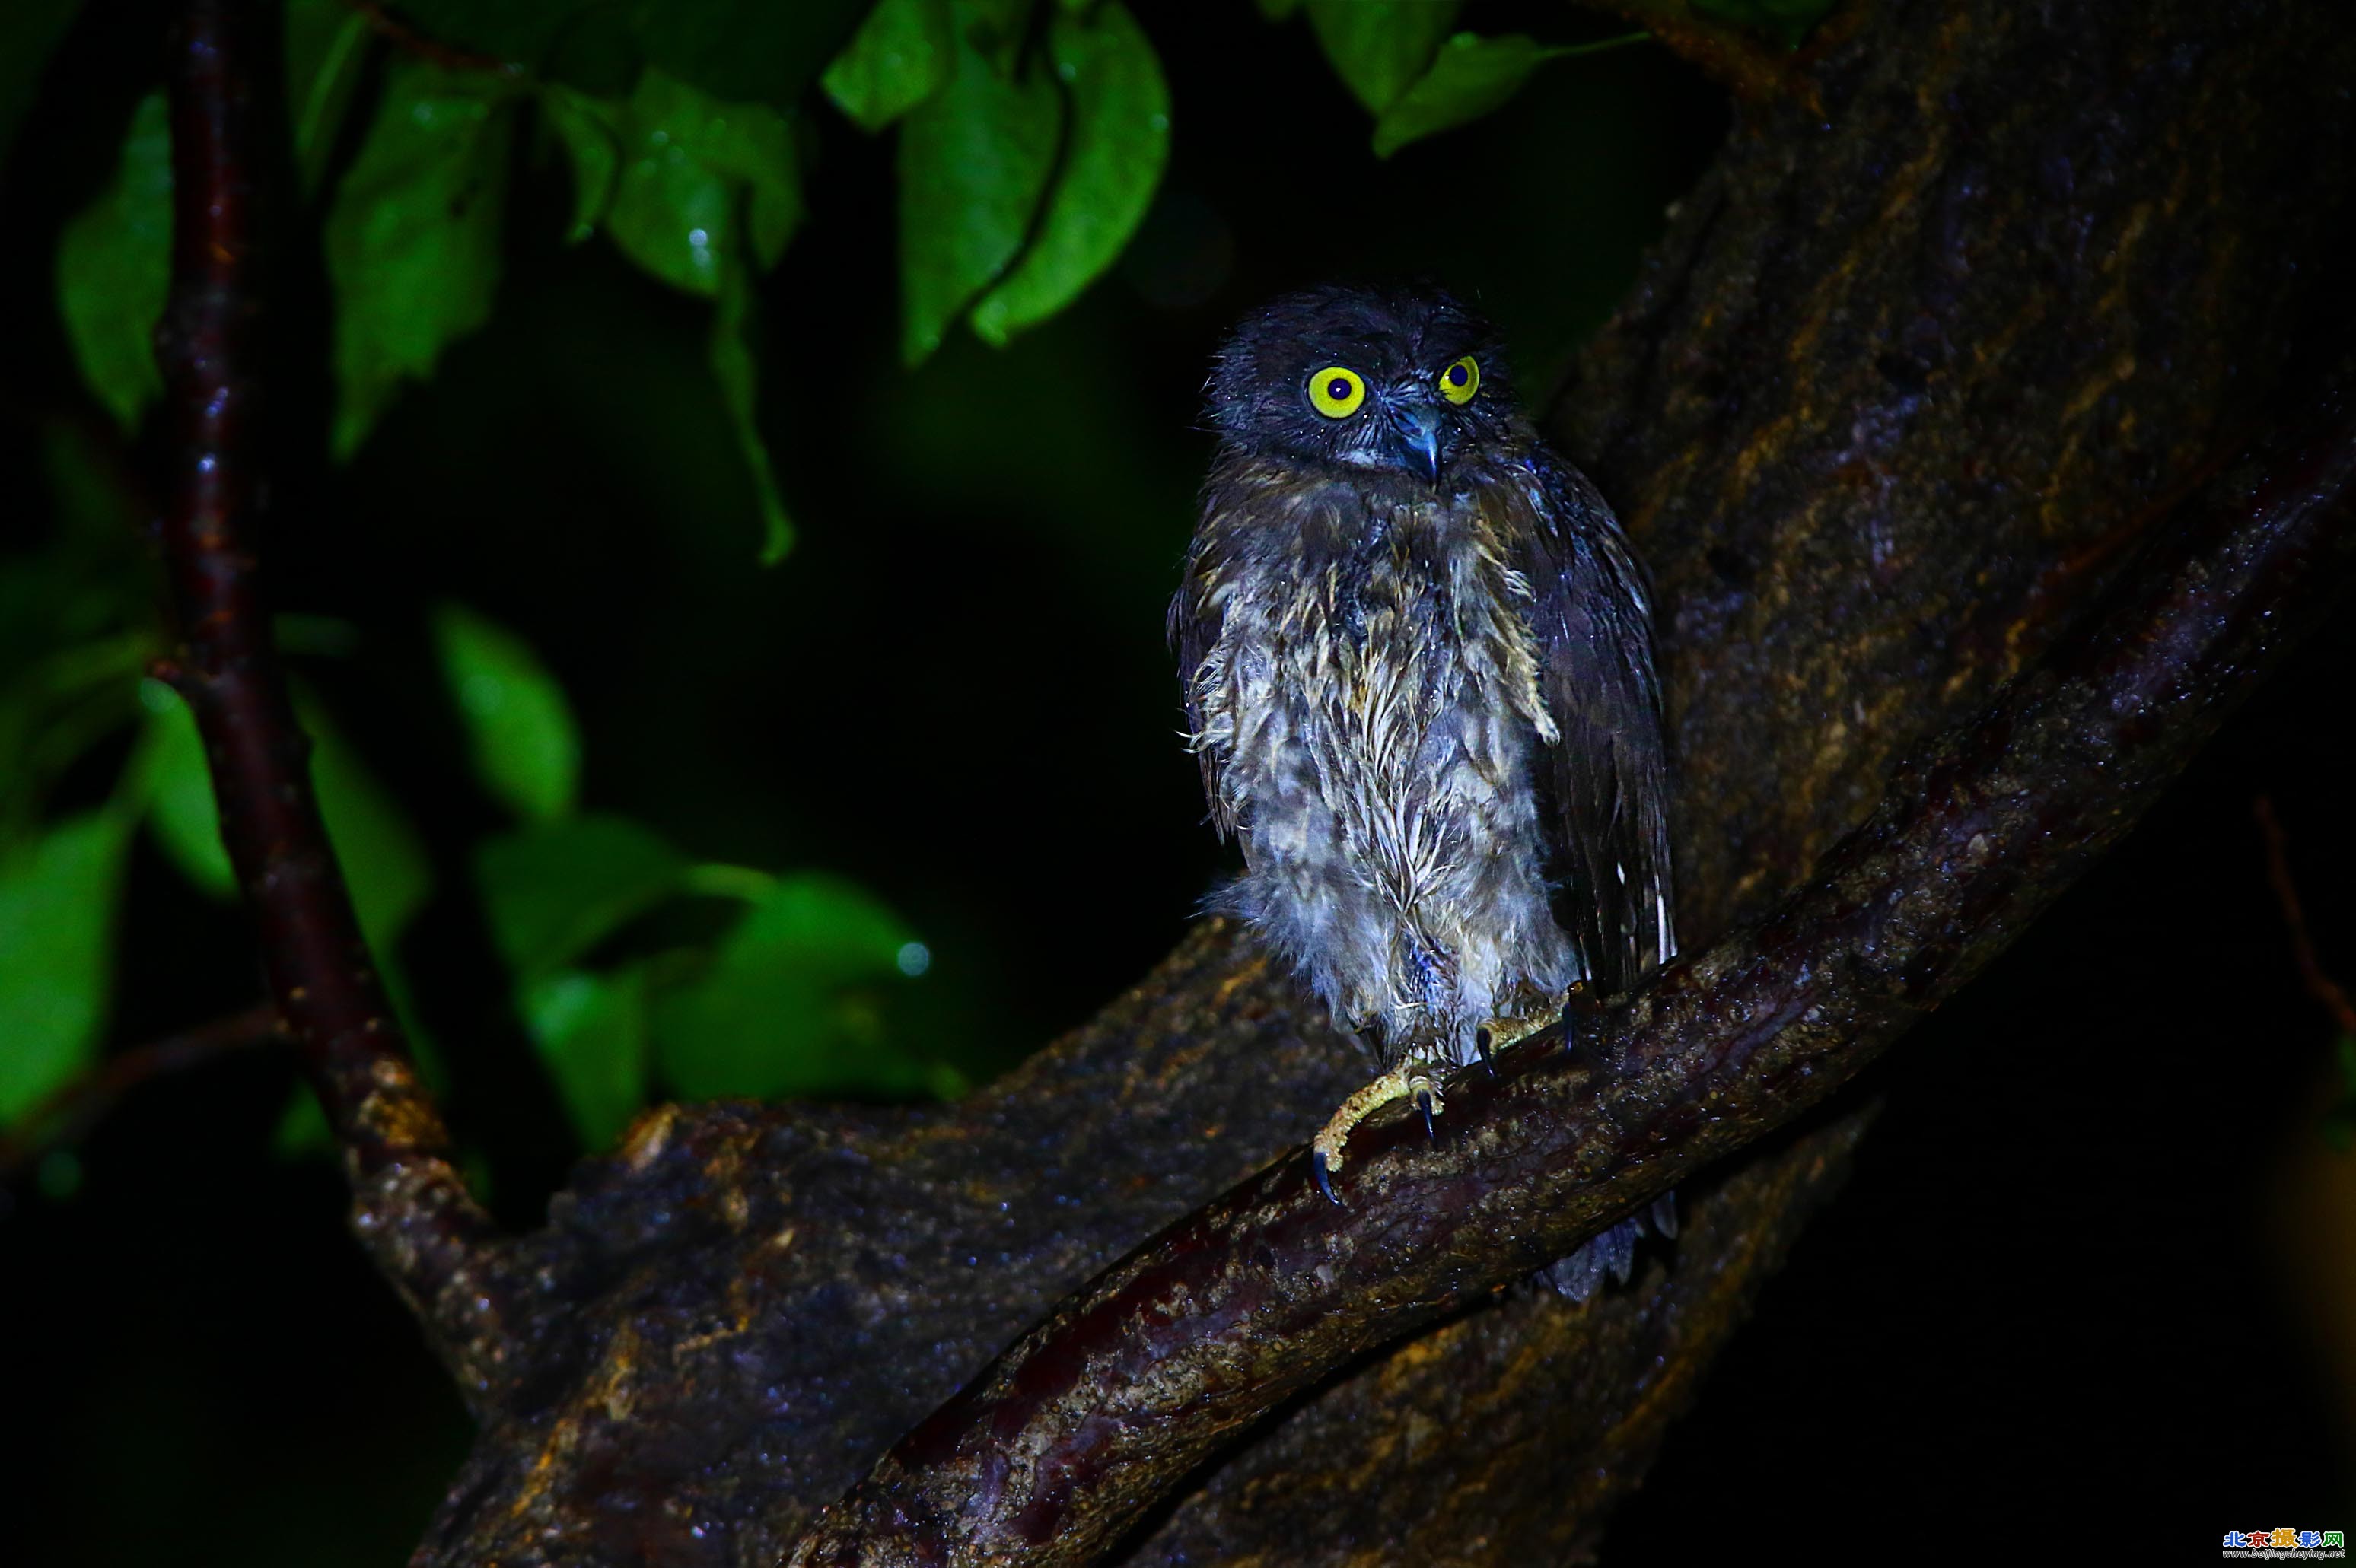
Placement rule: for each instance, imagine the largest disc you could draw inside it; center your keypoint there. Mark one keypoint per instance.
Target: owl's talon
(1423, 1102)
(1317, 1168)
(1401, 1082)
(1480, 1044)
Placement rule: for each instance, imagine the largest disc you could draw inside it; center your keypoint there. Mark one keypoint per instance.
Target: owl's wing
(1194, 627)
(1607, 774)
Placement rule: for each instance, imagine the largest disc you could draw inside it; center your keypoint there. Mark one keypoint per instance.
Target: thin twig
(2319, 986)
(411, 1207)
(1740, 61)
(433, 51)
(66, 1115)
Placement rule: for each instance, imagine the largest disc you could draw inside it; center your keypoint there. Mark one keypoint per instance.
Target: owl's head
(1401, 379)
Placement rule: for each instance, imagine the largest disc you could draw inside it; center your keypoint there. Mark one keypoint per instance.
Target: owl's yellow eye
(1337, 392)
(1460, 380)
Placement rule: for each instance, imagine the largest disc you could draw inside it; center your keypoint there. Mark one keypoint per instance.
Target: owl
(1417, 659)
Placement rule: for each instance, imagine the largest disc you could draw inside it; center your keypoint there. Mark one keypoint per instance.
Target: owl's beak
(1417, 424)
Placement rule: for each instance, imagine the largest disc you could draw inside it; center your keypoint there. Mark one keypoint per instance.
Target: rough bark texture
(410, 1205)
(1904, 388)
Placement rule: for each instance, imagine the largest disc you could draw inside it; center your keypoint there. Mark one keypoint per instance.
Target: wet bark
(1984, 416)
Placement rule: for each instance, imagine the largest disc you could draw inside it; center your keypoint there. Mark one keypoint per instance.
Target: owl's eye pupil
(1456, 375)
(1337, 388)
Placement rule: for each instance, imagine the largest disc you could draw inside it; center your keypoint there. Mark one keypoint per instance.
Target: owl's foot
(1406, 1080)
(1500, 1032)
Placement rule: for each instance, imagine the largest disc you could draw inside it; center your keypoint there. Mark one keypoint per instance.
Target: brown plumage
(1418, 668)
(1418, 665)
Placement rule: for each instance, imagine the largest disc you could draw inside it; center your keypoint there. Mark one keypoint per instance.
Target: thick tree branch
(1056, 1450)
(411, 1208)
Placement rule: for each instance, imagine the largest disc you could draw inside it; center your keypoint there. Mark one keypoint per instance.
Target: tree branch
(1736, 58)
(68, 1113)
(2320, 985)
(411, 1208)
(1058, 1447)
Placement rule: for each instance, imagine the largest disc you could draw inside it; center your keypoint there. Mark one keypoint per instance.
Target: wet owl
(1417, 660)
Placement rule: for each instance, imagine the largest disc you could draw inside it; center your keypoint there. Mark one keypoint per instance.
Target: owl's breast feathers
(1379, 694)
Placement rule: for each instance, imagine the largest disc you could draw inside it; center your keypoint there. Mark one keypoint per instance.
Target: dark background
(2082, 1279)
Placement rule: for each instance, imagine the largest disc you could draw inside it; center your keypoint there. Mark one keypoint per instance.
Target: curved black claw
(1423, 1101)
(1480, 1044)
(1324, 1178)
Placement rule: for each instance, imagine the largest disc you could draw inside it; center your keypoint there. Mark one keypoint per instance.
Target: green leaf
(384, 861)
(114, 264)
(326, 45)
(57, 896)
(1787, 21)
(766, 51)
(527, 752)
(591, 1032)
(178, 789)
(1380, 47)
(790, 1004)
(974, 160)
(736, 365)
(1118, 142)
(1470, 77)
(900, 56)
(590, 130)
(413, 238)
(686, 160)
(29, 31)
(554, 891)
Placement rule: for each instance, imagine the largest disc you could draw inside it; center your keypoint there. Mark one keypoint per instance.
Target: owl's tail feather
(1578, 1275)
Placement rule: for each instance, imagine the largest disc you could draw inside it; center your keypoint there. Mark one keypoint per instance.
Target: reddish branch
(411, 1208)
(1740, 60)
(1059, 1446)
(65, 1116)
(2319, 986)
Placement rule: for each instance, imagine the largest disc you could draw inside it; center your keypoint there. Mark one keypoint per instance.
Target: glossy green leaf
(412, 237)
(900, 56)
(520, 728)
(383, 860)
(179, 790)
(1471, 76)
(114, 264)
(1115, 148)
(1787, 21)
(591, 1033)
(790, 1004)
(589, 129)
(554, 891)
(29, 31)
(326, 45)
(58, 895)
(735, 359)
(695, 172)
(766, 51)
(974, 162)
(1380, 47)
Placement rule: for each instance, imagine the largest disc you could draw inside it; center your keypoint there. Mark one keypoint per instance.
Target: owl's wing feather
(1194, 630)
(1607, 774)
